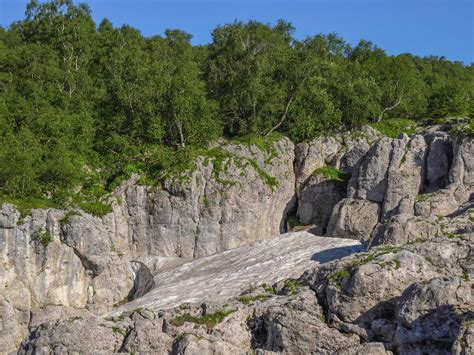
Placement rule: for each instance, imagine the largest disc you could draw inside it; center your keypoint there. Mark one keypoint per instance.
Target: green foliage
(96, 208)
(247, 299)
(269, 180)
(118, 330)
(43, 237)
(425, 196)
(209, 320)
(394, 127)
(83, 107)
(292, 286)
(338, 276)
(333, 174)
(24, 205)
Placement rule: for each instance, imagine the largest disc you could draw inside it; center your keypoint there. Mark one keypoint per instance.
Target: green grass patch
(454, 235)
(209, 320)
(206, 202)
(269, 180)
(44, 237)
(97, 208)
(246, 299)
(179, 165)
(394, 127)
(333, 174)
(292, 286)
(338, 276)
(24, 205)
(418, 240)
(425, 197)
(464, 128)
(118, 330)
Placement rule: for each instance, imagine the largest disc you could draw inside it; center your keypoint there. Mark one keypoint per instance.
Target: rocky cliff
(70, 279)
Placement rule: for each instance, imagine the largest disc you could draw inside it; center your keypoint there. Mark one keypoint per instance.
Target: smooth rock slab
(220, 277)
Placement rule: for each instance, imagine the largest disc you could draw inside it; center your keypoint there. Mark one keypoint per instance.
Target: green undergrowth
(247, 299)
(394, 127)
(425, 196)
(24, 205)
(96, 208)
(263, 143)
(334, 174)
(209, 320)
(44, 237)
(465, 129)
(157, 165)
(292, 286)
(181, 163)
(338, 276)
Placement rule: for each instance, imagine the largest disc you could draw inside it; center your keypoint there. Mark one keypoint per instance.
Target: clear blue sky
(422, 27)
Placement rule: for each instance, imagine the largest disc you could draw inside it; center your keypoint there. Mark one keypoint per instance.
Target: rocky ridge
(415, 194)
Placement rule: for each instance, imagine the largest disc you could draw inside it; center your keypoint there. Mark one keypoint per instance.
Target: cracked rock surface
(198, 266)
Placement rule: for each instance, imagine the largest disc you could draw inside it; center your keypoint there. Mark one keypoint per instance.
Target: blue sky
(422, 27)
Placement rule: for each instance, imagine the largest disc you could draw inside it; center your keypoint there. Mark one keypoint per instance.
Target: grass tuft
(209, 320)
(334, 174)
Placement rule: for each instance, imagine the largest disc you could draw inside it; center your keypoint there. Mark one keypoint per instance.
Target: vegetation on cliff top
(85, 106)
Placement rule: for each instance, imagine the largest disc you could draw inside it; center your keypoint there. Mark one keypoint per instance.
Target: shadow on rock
(326, 256)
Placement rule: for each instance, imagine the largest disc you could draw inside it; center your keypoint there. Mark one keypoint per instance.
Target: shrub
(394, 127)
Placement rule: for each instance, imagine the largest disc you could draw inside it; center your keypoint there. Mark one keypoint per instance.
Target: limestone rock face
(191, 267)
(405, 228)
(357, 290)
(317, 194)
(36, 269)
(354, 219)
(215, 208)
(317, 200)
(386, 300)
(430, 315)
(413, 180)
(296, 327)
(75, 261)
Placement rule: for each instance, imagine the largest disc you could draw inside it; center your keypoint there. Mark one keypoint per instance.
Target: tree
(189, 115)
(246, 74)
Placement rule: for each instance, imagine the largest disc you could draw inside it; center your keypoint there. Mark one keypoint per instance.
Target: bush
(394, 127)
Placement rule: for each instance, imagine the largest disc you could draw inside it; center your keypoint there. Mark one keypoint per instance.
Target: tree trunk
(179, 125)
(398, 102)
(283, 117)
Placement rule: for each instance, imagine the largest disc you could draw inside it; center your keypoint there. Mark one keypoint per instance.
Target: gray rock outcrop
(413, 180)
(237, 195)
(388, 300)
(128, 282)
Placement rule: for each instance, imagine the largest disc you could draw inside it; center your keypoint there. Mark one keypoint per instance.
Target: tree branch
(283, 117)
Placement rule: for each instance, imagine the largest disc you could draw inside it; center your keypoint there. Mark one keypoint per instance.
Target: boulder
(430, 315)
(369, 182)
(353, 219)
(365, 287)
(298, 327)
